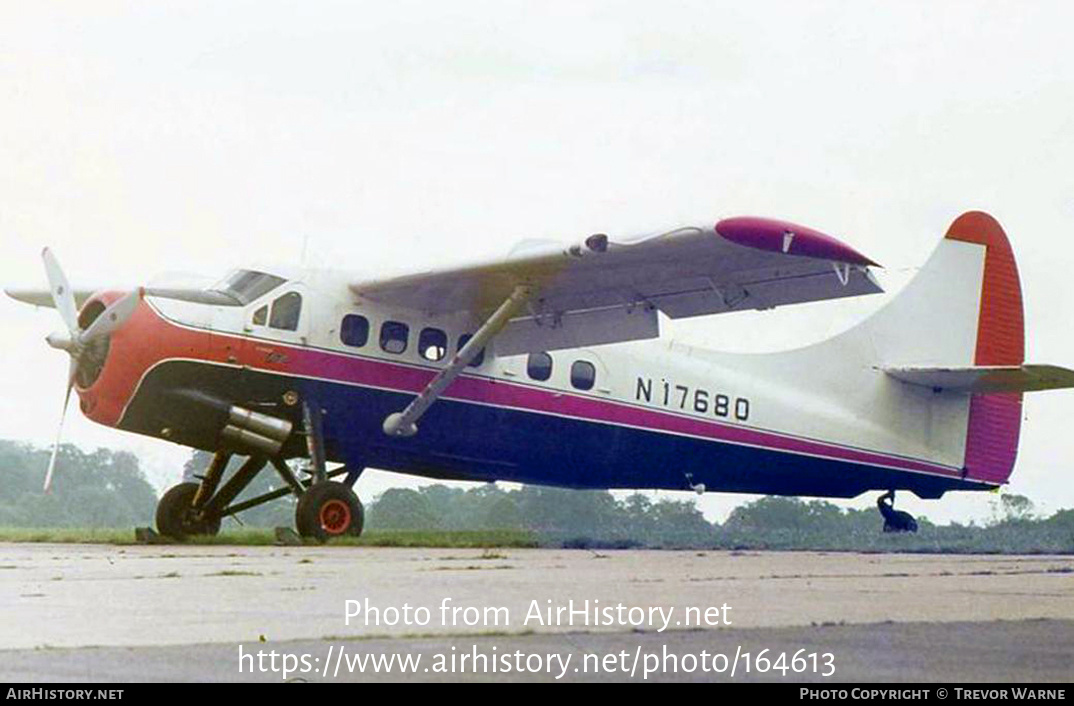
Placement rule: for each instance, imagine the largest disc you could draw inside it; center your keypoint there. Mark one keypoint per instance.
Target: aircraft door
(587, 374)
(273, 324)
(284, 316)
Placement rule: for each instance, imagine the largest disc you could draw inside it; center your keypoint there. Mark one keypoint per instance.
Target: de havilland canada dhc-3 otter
(541, 367)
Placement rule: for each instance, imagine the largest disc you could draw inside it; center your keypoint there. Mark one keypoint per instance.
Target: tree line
(597, 519)
(106, 488)
(101, 488)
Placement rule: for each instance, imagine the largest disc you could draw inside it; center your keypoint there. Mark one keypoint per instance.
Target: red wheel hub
(335, 517)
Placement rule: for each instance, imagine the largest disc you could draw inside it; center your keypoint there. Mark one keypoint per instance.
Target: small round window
(354, 331)
(393, 336)
(539, 366)
(432, 343)
(583, 375)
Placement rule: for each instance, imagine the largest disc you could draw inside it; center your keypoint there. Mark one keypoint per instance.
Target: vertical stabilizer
(995, 419)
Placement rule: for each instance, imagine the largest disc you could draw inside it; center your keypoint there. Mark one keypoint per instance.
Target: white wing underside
(605, 291)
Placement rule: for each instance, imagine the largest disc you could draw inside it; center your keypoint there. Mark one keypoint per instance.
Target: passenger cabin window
(539, 366)
(432, 344)
(393, 337)
(354, 331)
(261, 316)
(479, 358)
(583, 375)
(285, 312)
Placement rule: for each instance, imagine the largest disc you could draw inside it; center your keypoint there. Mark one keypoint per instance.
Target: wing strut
(405, 423)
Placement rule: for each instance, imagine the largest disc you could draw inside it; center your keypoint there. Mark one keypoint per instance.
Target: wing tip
(26, 296)
(789, 238)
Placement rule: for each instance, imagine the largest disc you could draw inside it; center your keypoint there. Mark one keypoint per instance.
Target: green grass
(938, 540)
(463, 539)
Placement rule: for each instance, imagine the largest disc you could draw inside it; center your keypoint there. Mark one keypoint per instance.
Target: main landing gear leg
(314, 424)
(326, 509)
(894, 520)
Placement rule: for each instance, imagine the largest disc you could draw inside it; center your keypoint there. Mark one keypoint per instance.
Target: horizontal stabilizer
(984, 379)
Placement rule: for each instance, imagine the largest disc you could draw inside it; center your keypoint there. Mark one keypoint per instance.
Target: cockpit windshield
(248, 285)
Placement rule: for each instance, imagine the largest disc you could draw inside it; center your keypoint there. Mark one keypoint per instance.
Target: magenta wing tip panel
(790, 238)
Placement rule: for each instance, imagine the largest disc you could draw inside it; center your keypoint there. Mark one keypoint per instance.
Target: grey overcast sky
(139, 138)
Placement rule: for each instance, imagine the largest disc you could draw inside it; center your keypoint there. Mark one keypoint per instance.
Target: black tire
(327, 510)
(175, 514)
(907, 523)
(900, 521)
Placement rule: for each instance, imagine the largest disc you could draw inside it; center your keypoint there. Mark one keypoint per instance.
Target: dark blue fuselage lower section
(473, 441)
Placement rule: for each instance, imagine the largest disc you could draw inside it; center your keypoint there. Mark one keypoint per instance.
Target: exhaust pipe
(260, 432)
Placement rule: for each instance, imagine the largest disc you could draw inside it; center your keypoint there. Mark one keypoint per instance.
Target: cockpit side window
(261, 316)
(286, 310)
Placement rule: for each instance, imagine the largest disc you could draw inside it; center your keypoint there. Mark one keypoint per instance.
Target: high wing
(605, 290)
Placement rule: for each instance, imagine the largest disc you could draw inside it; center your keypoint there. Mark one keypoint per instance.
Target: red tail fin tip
(994, 419)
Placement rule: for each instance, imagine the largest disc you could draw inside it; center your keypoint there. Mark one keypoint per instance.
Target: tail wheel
(176, 517)
(329, 510)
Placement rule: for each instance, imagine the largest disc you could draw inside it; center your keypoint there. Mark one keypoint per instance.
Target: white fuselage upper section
(833, 393)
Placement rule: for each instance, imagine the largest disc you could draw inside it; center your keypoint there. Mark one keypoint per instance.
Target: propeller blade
(61, 340)
(62, 296)
(72, 370)
(113, 317)
(56, 446)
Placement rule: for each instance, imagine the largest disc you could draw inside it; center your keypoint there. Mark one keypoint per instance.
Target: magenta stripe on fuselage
(404, 378)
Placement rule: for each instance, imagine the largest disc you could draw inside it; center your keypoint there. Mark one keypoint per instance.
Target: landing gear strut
(325, 509)
(894, 520)
(176, 516)
(197, 508)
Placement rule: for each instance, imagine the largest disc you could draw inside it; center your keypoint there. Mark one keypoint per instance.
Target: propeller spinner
(78, 342)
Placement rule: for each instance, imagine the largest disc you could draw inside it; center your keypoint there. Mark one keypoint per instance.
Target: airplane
(546, 366)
